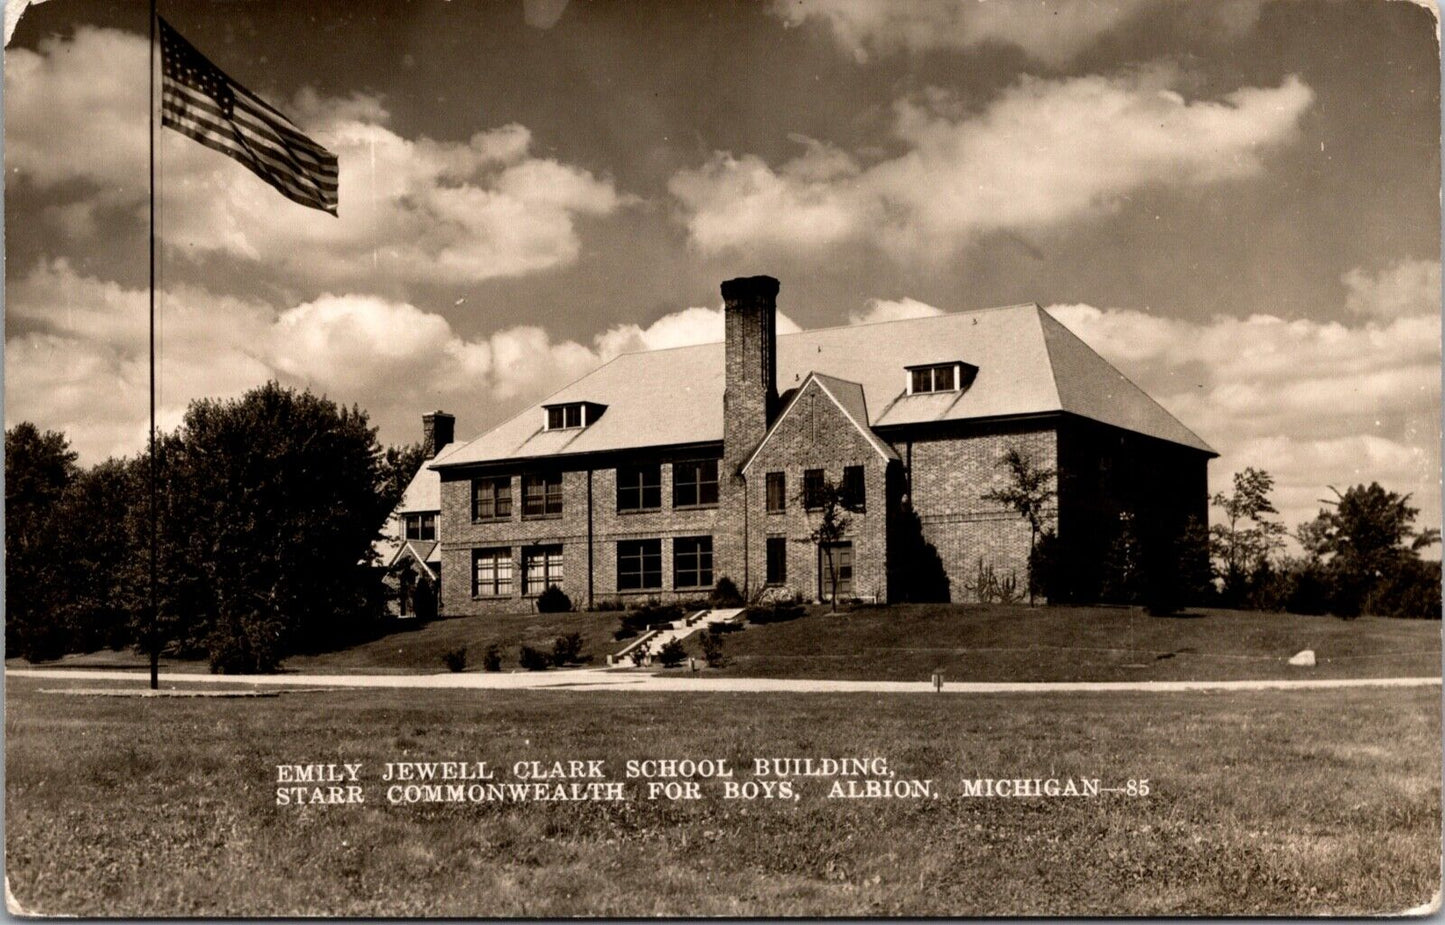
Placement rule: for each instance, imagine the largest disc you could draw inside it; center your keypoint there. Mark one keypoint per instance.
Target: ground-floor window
(639, 564)
(777, 560)
(692, 562)
(491, 572)
(541, 566)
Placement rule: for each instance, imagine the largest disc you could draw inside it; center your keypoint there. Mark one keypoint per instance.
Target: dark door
(835, 561)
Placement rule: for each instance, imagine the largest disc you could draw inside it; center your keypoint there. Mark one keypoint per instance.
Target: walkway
(598, 679)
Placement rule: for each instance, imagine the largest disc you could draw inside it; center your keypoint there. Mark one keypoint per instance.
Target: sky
(1236, 202)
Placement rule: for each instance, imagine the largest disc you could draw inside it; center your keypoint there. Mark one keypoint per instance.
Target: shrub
(776, 612)
(645, 617)
(712, 649)
(725, 594)
(492, 659)
(567, 650)
(455, 659)
(672, 654)
(534, 659)
(554, 600)
(726, 626)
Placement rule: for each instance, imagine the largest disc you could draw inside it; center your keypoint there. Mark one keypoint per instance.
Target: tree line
(268, 506)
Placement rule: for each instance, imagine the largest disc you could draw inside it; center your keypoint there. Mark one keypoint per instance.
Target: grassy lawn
(1261, 803)
(1019, 643)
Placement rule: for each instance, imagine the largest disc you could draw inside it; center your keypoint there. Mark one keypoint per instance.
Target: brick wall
(950, 473)
(815, 434)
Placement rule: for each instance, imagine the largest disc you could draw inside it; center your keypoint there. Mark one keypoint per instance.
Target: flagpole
(155, 650)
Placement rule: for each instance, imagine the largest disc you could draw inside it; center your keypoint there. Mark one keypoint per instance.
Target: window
(542, 495)
(560, 417)
(692, 562)
(492, 499)
(421, 526)
(639, 564)
(491, 572)
(639, 488)
(541, 566)
(941, 378)
(777, 492)
(777, 560)
(694, 483)
(812, 489)
(853, 493)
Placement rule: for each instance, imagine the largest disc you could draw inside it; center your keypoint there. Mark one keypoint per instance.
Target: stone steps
(652, 643)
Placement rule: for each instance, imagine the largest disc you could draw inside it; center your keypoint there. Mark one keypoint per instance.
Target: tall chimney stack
(437, 430)
(750, 396)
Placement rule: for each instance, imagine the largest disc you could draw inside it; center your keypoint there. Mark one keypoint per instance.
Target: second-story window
(542, 495)
(694, 483)
(421, 526)
(853, 489)
(812, 489)
(777, 492)
(492, 499)
(639, 488)
(941, 378)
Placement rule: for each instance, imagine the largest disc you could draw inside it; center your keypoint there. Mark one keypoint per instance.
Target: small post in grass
(938, 679)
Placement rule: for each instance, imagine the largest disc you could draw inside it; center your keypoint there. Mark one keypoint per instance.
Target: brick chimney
(437, 430)
(750, 396)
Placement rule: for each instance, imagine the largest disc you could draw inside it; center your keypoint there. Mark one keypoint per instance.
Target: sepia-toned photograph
(722, 458)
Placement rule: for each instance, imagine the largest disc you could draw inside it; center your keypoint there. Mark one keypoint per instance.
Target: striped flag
(200, 101)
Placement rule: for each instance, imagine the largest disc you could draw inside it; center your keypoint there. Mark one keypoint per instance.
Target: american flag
(200, 101)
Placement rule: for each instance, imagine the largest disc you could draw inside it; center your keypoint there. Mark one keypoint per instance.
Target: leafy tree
(398, 466)
(1368, 537)
(1029, 492)
(39, 470)
(1244, 541)
(831, 502)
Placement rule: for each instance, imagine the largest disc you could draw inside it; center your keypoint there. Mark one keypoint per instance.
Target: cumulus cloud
(1042, 153)
(414, 209)
(1316, 403)
(1051, 31)
(892, 310)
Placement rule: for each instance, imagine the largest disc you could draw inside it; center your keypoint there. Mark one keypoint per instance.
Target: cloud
(414, 209)
(1315, 403)
(1050, 31)
(1410, 287)
(1043, 153)
(893, 310)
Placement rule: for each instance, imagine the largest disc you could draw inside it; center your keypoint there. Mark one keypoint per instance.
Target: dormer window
(572, 415)
(940, 377)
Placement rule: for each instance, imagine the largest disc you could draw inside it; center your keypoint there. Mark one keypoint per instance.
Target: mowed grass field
(1020, 643)
(1263, 802)
(909, 642)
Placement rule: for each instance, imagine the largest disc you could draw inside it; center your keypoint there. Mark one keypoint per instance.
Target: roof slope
(849, 398)
(1028, 363)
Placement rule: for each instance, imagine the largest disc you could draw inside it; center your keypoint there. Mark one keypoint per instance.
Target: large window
(639, 488)
(777, 492)
(812, 489)
(639, 564)
(541, 566)
(942, 378)
(421, 526)
(694, 483)
(492, 499)
(692, 562)
(853, 491)
(777, 560)
(542, 495)
(491, 572)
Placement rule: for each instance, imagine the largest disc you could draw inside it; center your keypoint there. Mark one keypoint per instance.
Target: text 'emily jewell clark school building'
(663, 471)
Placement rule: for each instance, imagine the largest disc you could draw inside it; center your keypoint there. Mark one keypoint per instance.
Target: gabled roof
(849, 398)
(1028, 363)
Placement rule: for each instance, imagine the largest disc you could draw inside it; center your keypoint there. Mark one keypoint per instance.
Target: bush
(534, 659)
(776, 612)
(645, 617)
(554, 600)
(712, 649)
(245, 645)
(726, 626)
(725, 594)
(567, 650)
(672, 654)
(492, 659)
(455, 659)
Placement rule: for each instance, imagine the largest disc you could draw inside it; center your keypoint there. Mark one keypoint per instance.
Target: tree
(1244, 541)
(830, 501)
(1367, 536)
(1029, 492)
(39, 470)
(271, 506)
(399, 465)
